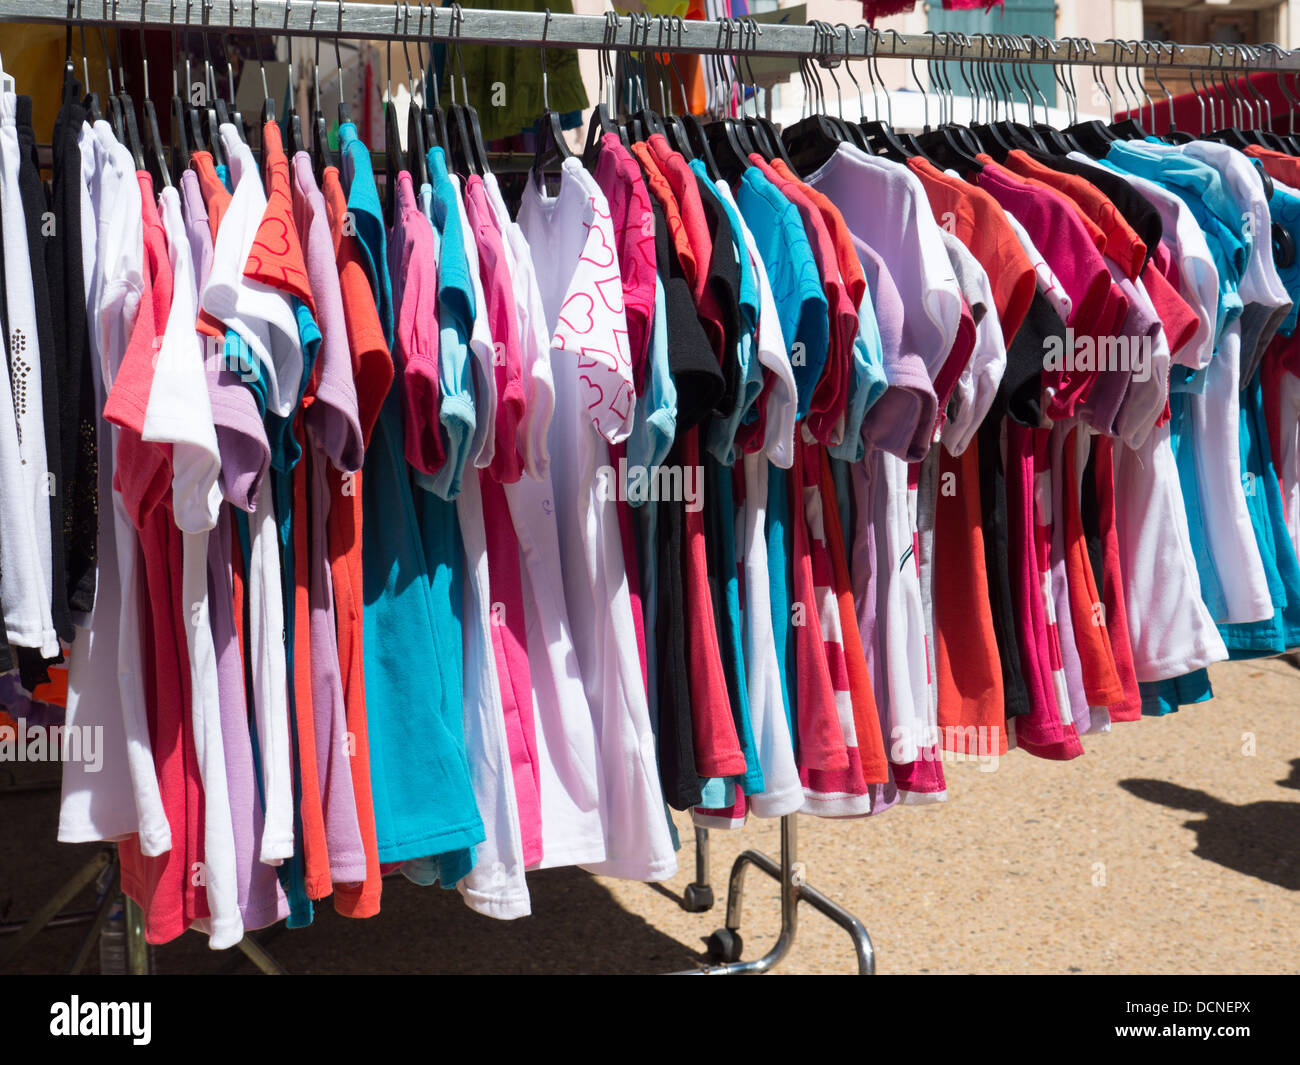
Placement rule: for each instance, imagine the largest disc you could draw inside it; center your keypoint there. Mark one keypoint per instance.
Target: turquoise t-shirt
(1284, 208)
(654, 423)
(780, 588)
(368, 217)
(423, 798)
(285, 455)
(720, 437)
(867, 382)
(456, 311)
(792, 274)
(1281, 632)
(720, 504)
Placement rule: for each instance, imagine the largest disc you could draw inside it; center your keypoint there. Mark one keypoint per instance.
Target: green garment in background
(505, 83)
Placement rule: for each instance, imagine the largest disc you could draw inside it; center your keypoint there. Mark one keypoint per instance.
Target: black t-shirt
(1018, 399)
(699, 384)
(78, 447)
(724, 282)
(1137, 210)
(690, 357)
(35, 206)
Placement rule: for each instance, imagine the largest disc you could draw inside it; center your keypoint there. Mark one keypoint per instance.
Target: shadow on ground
(1259, 839)
(577, 926)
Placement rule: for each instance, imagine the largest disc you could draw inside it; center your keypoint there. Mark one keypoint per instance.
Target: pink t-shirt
(415, 284)
(509, 631)
(507, 463)
(825, 416)
(142, 474)
(1055, 227)
(619, 179)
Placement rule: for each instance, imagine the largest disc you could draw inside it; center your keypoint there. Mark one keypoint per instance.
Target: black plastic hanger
(416, 149)
(551, 145)
(691, 126)
(1129, 128)
(1007, 134)
(434, 119)
(601, 121)
(128, 130)
(394, 153)
(648, 119)
(321, 157)
(816, 137)
(92, 97)
(730, 141)
(762, 130)
(154, 152)
(465, 142)
(180, 147)
(1094, 137)
(674, 127)
(948, 145)
(881, 137)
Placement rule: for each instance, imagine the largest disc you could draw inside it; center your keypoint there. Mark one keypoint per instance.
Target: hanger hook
(338, 57)
(261, 64)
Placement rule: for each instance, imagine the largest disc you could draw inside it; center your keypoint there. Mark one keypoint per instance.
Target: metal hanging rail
(427, 21)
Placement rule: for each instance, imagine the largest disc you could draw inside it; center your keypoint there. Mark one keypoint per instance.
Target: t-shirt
(333, 433)
(593, 370)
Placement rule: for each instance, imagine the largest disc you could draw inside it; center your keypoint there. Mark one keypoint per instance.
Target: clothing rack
(819, 42)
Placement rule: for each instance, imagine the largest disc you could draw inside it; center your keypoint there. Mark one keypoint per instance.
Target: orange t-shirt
(1101, 682)
(372, 371)
(968, 677)
(216, 198)
(978, 221)
(1119, 241)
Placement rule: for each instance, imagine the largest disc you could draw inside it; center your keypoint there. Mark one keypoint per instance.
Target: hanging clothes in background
(407, 534)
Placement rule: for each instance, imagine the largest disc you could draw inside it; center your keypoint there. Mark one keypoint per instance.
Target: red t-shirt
(162, 885)
(372, 370)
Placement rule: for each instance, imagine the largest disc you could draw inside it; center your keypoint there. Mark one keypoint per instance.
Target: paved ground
(1173, 846)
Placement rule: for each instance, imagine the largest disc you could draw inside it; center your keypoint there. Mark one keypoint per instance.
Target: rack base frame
(725, 944)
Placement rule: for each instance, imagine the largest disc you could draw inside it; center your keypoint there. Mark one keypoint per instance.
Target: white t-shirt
(1170, 629)
(887, 597)
(594, 406)
(884, 205)
(567, 748)
(179, 413)
(103, 805)
(977, 386)
(263, 317)
(496, 885)
(26, 577)
(534, 338)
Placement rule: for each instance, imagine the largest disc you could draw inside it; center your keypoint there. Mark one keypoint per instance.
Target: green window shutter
(1036, 17)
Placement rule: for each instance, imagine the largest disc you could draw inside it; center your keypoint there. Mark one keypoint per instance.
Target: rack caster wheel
(697, 898)
(724, 945)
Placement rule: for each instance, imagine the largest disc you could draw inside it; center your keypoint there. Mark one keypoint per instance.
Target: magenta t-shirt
(507, 464)
(619, 178)
(1053, 224)
(413, 264)
(509, 631)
